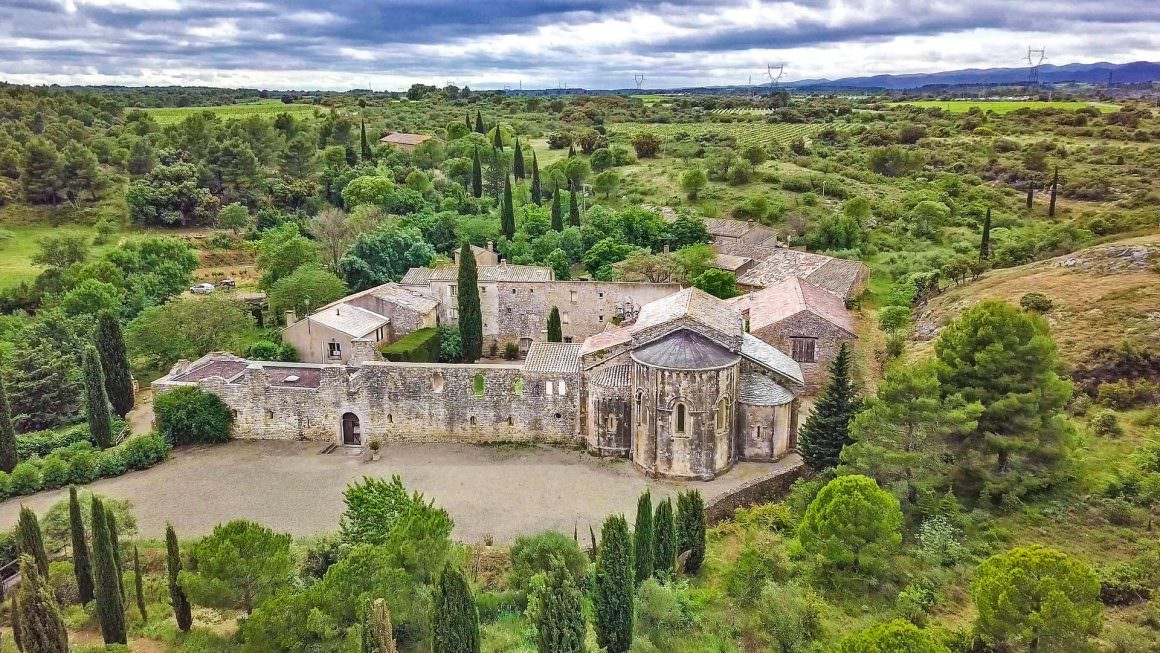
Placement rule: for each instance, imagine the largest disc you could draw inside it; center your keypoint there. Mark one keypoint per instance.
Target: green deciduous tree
(36, 617)
(282, 250)
(1038, 597)
(82, 567)
(383, 255)
(455, 617)
(895, 636)
(239, 565)
(643, 538)
(719, 283)
(305, 290)
(693, 181)
(374, 506)
(850, 525)
(30, 541)
(827, 429)
(8, 455)
(470, 316)
(182, 611)
(665, 540)
(114, 363)
(555, 329)
(97, 409)
(556, 609)
(190, 415)
(691, 529)
(107, 587)
(614, 587)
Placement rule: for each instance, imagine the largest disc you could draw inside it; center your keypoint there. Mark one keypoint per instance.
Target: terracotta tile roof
(226, 368)
(727, 227)
(293, 376)
(838, 276)
(417, 277)
(611, 336)
(771, 358)
(693, 303)
(790, 297)
(561, 357)
(350, 319)
(405, 297)
(735, 247)
(760, 390)
(401, 138)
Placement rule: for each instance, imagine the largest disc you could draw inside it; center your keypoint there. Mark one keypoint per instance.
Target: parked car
(227, 284)
(202, 289)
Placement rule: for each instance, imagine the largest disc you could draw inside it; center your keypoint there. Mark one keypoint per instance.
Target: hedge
(80, 463)
(420, 346)
(42, 443)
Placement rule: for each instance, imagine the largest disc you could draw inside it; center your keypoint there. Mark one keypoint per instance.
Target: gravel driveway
(501, 491)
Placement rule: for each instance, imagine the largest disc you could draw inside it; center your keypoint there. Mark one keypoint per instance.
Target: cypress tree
(537, 191)
(614, 587)
(14, 612)
(985, 244)
(557, 211)
(470, 317)
(508, 217)
(115, 540)
(365, 147)
(467, 119)
(573, 206)
(96, 400)
(1054, 191)
(571, 150)
(29, 541)
(518, 160)
(1030, 193)
(592, 548)
(691, 529)
(665, 549)
(139, 584)
(559, 614)
(643, 538)
(82, 568)
(555, 331)
(110, 604)
(378, 633)
(479, 123)
(476, 176)
(455, 619)
(8, 455)
(497, 140)
(182, 611)
(115, 363)
(37, 624)
(827, 430)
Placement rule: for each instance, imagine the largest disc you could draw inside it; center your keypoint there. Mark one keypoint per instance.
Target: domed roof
(760, 390)
(685, 350)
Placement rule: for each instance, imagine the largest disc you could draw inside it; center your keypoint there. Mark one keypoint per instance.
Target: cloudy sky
(389, 44)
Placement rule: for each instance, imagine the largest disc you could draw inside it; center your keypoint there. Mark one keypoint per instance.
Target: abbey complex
(682, 383)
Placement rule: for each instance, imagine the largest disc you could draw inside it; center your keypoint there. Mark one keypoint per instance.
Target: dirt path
(140, 419)
(500, 492)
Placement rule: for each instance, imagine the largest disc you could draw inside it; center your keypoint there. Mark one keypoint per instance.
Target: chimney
(338, 310)
(749, 223)
(666, 248)
(490, 246)
(291, 317)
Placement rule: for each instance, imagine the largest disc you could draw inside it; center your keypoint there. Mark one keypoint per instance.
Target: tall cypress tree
(508, 217)
(1030, 193)
(115, 540)
(8, 455)
(82, 568)
(96, 400)
(182, 611)
(470, 317)
(555, 330)
(110, 604)
(115, 363)
(571, 150)
(827, 430)
(479, 123)
(29, 540)
(476, 176)
(1054, 191)
(37, 624)
(665, 550)
(573, 205)
(14, 611)
(559, 617)
(467, 119)
(643, 538)
(365, 148)
(537, 191)
(985, 243)
(455, 619)
(691, 529)
(518, 160)
(614, 587)
(497, 140)
(139, 584)
(557, 211)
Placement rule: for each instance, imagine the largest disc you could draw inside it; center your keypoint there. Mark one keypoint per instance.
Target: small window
(379, 334)
(234, 412)
(269, 414)
(679, 420)
(640, 408)
(565, 318)
(513, 291)
(601, 318)
(611, 422)
(575, 296)
(473, 420)
(511, 422)
(567, 338)
(804, 349)
(390, 418)
(600, 295)
(437, 382)
(548, 388)
(334, 350)
(454, 291)
(722, 415)
(482, 289)
(509, 310)
(758, 431)
(562, 389)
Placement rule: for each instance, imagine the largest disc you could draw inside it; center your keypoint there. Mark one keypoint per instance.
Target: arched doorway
(351, 432)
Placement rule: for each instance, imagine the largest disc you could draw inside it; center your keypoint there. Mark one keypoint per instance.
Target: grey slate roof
(396, 294)
(350, 319)
(695, 304)
(760, 390)
(611, 377)
(501, 272)
(417, 277)
(684, 350)
(771, 358)
(559, 357)
(836, 275)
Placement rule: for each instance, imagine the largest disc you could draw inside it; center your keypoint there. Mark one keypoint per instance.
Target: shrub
(1126, 393)
(492, 604)
(897, 636)
(775, 517)
(938, 540)
(42, 443)
(111, 463)
(1105, 423)
(533, 554)
(83, 466)
(663, 613)
(511, 351)
(420, 346)
(915, 601)
(189, 415)
(5, 485)
(646, 145)
(144, 451)
(762, 559)
(25, 478)
(791, 615)
(1125, 583)
(54, 472)
(1036, 302)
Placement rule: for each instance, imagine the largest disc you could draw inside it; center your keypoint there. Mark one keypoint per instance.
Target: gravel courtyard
(499, 491)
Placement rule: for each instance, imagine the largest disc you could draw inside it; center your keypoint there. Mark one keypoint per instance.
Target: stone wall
(807, 324)
(760, 490)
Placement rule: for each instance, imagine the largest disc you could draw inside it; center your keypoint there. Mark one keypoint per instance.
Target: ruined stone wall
(806, 324)
(771, 487)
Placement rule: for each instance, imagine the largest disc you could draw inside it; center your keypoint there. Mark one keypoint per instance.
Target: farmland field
(746, 133)
(1002, 106)
(171, 115)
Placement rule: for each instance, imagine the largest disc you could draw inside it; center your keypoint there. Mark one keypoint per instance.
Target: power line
(1035, 57)
(639, 79)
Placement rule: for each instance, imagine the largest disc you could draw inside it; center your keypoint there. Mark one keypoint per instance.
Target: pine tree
(537, 191)
(557, 211)
(114, 363)
(573, 205)
(614, 587)
(29, 541)
(643, 538)
(518, 160)
(82, 567)
(497, 140)
(985, 243)
(479, 123)
(1054, 191)
(39, 624)
(115, 540)
(470, 317)
(476, 176)
(691, 529)
(559, 613)
(827, 430)
(555, 331)
(378, 633)
(665, 549)
(43, 391)
(182, 611)
(110, 604)
(97, 401)
(508, 217)
(455, 619)
(8, 455)
(139, 585)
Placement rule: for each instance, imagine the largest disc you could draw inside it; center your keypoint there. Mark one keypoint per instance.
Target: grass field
(1000, 106)
(746, 133)
(171, 115)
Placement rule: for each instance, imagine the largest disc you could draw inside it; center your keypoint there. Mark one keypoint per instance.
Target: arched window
(722, 414)
(640, 407)
(679, 419)
(473, 420)
(390, 418)
(511, 422)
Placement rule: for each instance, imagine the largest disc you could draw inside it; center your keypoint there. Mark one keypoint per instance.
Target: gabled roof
(615, 376)
(405, 297)
(727, 227)
(561, 357)
(695, 304)
(760, 390)
(402, 138)
(833, 274)
(350, 319)
(771, 358)
(501, 272)
(790, 297)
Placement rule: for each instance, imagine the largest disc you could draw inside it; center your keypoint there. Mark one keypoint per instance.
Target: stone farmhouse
(403, 141)
(682, 390)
